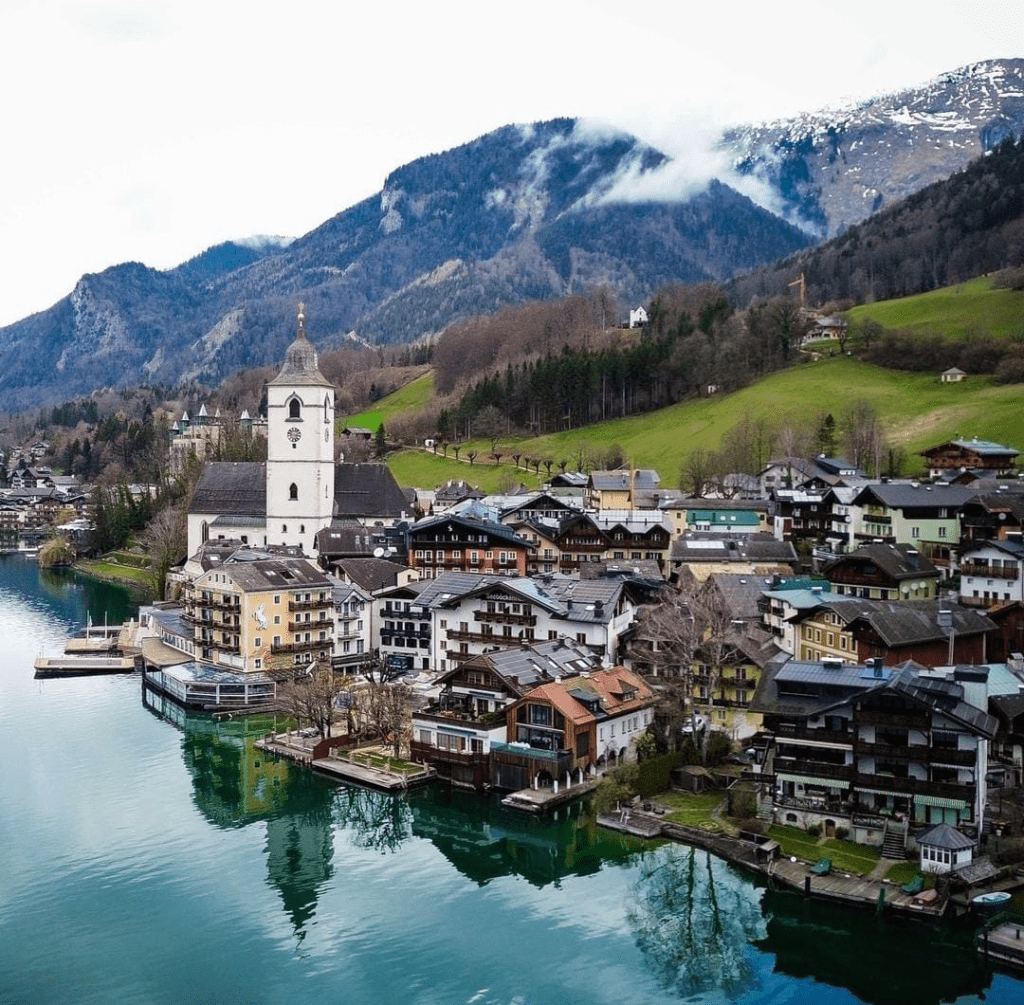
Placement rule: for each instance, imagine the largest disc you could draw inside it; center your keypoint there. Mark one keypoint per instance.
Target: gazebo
(944, 849)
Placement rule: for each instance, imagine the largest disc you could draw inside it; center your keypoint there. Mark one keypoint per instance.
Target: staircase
(894, 841)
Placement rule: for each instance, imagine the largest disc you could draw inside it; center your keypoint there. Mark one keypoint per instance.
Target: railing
(783, 731)
(505, 618)
(878, 717)
(311, 626)
(817, 769)
(915, 786)
(919, 752)
(420, 751)
(309, 605)
(442, 716)
(988, 571)
(301, 647)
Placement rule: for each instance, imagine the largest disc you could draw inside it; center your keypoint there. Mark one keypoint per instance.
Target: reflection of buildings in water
(234, 785)
(485, 840)
(882, 960)
(299, 863)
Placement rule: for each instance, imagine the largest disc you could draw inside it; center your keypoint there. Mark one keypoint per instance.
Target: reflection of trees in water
(376, 820)
(693, 921)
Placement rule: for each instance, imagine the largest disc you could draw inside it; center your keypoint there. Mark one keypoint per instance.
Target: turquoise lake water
(148, 857)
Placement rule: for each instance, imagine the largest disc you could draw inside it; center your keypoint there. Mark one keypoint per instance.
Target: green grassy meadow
(409, 398)
(917, 409)
(954, 311)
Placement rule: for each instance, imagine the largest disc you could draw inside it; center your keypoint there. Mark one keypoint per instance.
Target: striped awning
(828, 783)
(941, 801)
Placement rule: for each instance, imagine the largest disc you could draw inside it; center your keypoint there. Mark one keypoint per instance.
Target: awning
(941, 801)
(883, 792)
(828, 783)
(784, 740)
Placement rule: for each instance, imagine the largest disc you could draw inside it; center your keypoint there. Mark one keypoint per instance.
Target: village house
(885, 753)
(854, 630)
(455, 731)
(995, 515)
(353, 627)
(564, 732)
(451, 543)
(990, 573)
(970, 455)
(884, 572)
(702, 555)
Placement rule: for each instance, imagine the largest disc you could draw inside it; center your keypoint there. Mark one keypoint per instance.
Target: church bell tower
(300, 447)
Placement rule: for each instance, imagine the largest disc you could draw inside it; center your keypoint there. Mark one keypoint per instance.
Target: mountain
(524, 212)
(829, 169)
(968, 225)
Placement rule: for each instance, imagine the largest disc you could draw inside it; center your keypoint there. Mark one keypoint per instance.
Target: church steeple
(300, 361)
(300, 447)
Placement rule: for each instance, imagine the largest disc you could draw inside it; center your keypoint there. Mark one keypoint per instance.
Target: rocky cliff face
(829, 169)
(521, 213)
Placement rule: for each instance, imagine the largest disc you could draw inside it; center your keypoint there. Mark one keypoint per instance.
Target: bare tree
(165, 540)
(310, 697)
(385, 708)
(684, 643)
(698, 472)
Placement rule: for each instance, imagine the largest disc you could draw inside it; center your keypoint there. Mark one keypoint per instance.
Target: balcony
(505, 618)
(301, 647)
(878, 717)
(785, 730)
(914, 787)
(311, 626)
(919, 753)
(988, 571)
(814, 769)
(310, 605)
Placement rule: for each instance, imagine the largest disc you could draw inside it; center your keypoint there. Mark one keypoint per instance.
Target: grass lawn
(794, 841)
(114, 571)
(375, 759)
(916, 409)
(846, 856)
(955, 311)
(693, 810)
(849, 857)
(409, 398)
(904, 872)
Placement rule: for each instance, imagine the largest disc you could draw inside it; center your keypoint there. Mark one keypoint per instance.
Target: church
(299, 490)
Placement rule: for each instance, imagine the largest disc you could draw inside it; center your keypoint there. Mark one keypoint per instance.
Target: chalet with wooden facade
(564, 732)
(884, 572)
(454, 733)
(450, 543)
(970, 455)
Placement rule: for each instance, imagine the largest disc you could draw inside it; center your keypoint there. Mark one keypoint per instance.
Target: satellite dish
(378, 552)
(389, 552)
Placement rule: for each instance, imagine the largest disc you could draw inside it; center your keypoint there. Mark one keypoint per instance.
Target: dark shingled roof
(904, 622)
(236, 487)
(370, 573)
(367, 490)
(897, 561)
(945, 836)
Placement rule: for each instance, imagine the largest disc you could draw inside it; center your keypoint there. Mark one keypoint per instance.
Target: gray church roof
(235, 487)
(300, 362)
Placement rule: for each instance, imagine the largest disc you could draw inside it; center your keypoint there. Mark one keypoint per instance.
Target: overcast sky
(148, 130)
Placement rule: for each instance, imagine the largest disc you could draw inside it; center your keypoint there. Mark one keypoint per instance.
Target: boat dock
(70, 665)
(305, 750)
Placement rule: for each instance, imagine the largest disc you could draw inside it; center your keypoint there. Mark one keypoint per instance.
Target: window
(540, 715)
(257, 642)
(942, 532)
(294, 409)
(277, 598)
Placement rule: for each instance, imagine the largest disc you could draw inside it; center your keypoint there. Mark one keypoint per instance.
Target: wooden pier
(82, 666)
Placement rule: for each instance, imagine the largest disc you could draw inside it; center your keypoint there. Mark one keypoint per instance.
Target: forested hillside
(968, 225)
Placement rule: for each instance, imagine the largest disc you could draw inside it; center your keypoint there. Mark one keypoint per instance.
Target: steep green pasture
(918, 410)
(409, 398)
(970, 308)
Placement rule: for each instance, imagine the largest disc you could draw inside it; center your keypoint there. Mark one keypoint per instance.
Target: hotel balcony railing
(505, 618)
(309, 605)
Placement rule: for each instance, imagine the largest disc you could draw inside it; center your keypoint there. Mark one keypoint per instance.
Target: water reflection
(485, 840)
(694, 919)
(235, 784)
(883, 960)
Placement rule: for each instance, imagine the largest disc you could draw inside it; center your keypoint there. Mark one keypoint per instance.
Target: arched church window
(293, 491)
(327, 408)
(205, 532)
(294, 409)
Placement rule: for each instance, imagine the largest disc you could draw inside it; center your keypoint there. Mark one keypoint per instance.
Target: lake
(149, 857)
